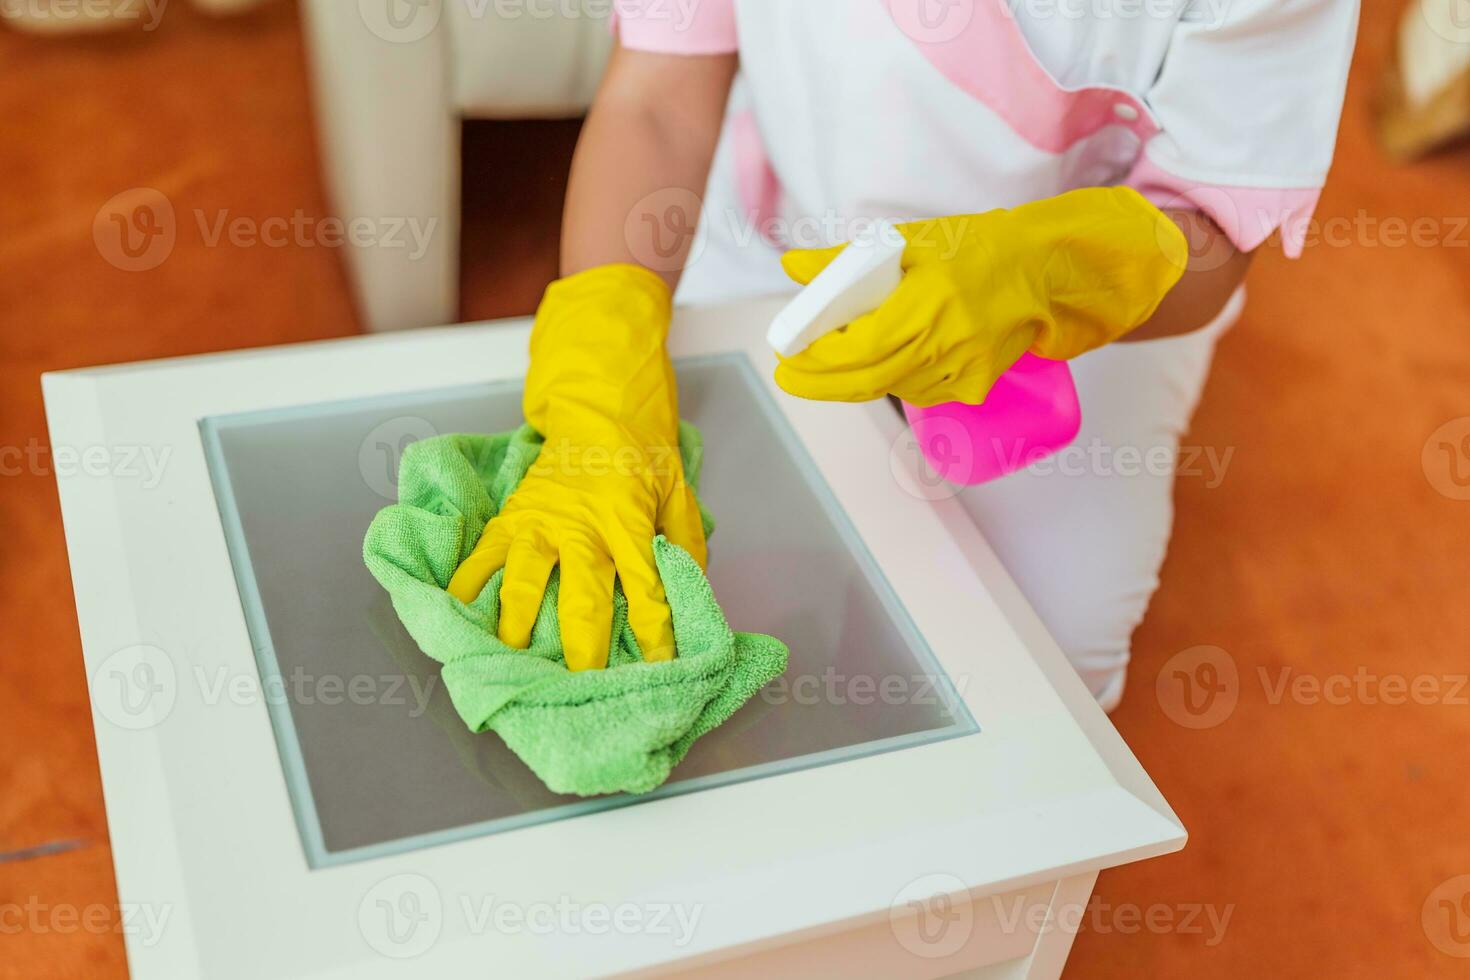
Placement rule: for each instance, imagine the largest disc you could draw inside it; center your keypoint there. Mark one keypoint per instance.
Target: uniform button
(1125, 111)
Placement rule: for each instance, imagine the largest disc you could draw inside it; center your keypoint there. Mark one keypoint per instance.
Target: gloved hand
(609, 475)
(1057, 277)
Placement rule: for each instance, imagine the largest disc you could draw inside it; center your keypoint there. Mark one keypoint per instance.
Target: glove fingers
(826, 376)
(681, 523)
(488, 558)
(908, 313)
(965, 379)
(584, 605)
(871, 355)
(833, 386)
(648, 607)
(805, 264)
(527, 567)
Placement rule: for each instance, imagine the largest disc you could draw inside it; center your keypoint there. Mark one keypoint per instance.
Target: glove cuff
(605, 297)
(1111, 258)
(599, 338)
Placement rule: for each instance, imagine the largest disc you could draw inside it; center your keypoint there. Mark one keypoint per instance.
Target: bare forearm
(1216, 269)
(643, 160)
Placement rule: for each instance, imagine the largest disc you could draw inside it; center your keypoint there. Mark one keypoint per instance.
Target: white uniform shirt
(855, 109)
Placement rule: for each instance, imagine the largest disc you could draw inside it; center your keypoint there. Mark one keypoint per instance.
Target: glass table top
(377, 760)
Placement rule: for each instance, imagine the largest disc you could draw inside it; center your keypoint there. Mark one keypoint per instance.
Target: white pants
(1083, 533)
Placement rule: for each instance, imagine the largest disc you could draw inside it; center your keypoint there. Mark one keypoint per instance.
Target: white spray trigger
(856, 282)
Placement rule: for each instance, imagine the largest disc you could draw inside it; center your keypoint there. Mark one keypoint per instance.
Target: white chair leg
(389, 138)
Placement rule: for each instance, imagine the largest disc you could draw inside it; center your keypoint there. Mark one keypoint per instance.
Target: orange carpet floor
(1328, 550)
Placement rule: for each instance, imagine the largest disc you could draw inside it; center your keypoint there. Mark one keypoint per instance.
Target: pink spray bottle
(1031, 412)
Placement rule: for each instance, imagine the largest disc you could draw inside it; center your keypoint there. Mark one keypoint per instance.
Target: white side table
(929, 791)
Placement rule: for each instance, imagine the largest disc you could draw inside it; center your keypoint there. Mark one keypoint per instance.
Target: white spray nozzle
(856, 282)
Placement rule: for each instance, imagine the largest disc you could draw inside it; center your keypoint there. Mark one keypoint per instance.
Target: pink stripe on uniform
(1248, 215)
(987, 56)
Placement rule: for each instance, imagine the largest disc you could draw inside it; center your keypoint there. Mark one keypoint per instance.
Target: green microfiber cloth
(621, 729)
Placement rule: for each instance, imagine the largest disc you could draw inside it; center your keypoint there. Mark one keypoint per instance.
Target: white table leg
(1047, 959)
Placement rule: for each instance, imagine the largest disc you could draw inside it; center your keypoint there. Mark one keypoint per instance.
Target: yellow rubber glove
(609, 475)
(1057, 277)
